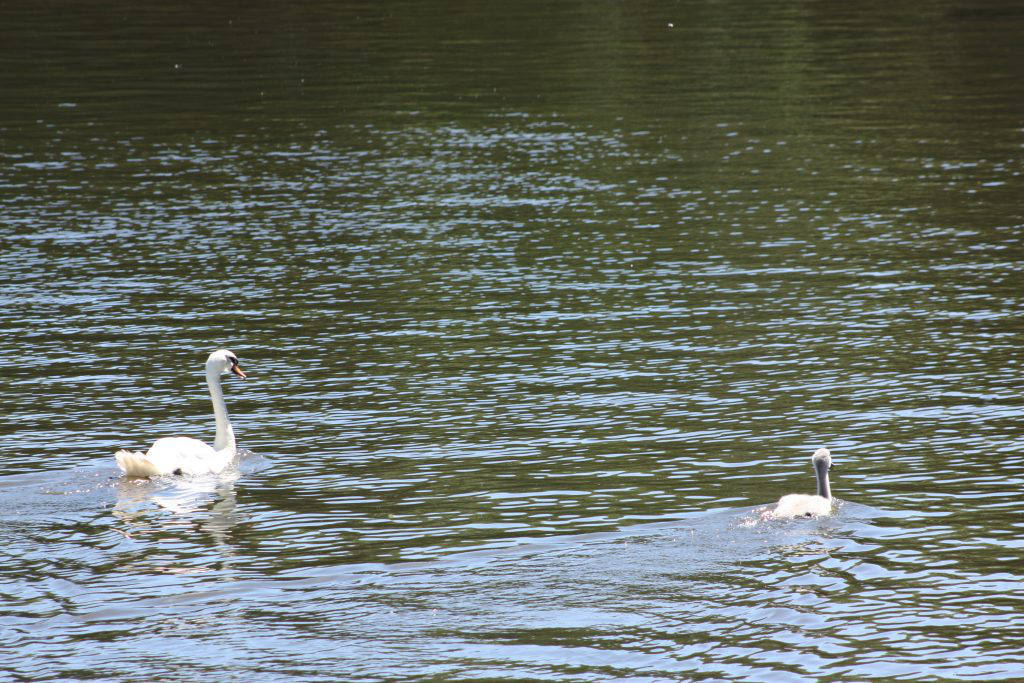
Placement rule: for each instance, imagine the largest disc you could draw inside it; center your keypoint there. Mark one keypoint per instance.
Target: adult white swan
(181, 454)
(804, 505)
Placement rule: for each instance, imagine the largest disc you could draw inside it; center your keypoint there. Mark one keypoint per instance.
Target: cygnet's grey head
(822, 454)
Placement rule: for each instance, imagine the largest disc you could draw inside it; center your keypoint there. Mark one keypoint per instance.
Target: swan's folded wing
(182, 455)
(135, 464)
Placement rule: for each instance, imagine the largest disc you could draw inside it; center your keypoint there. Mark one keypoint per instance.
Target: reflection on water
(206, 504)
(540, 306)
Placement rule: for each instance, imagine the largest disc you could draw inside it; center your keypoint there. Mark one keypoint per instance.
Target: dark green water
(539, 302)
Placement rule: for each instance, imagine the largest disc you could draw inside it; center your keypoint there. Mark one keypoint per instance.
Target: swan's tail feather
(134, 464)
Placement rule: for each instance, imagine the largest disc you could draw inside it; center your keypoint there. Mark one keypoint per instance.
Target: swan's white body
(804, 505)
(181, 454)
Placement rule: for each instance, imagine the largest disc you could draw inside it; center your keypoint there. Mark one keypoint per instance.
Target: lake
(540, 303)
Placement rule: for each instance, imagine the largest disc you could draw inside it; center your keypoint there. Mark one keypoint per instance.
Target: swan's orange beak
(237, 369)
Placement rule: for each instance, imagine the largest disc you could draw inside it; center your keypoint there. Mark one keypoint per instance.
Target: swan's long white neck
(821, 469)
(225, 435)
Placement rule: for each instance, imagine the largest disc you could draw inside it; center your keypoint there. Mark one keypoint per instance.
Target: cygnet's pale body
(804, 505)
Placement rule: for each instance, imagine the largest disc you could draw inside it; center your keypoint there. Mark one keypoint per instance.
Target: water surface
(539, 305)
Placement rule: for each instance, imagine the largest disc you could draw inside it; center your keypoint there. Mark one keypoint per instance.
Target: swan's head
(223, 362)
(822, 458)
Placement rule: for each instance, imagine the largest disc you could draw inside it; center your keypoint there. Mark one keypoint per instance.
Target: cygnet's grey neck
(821, 469)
